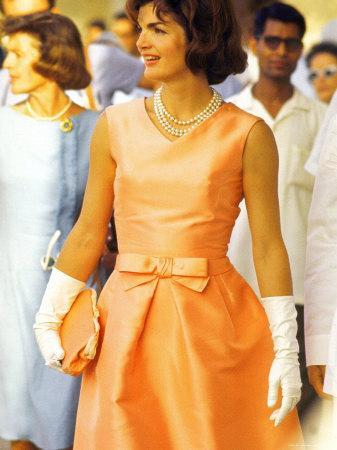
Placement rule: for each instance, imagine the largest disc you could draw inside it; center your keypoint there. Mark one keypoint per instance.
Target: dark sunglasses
(273, 43)
(327, 72)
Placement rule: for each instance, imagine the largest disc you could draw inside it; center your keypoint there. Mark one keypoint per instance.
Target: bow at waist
(193, 273)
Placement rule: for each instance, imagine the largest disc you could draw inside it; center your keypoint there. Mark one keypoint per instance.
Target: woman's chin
(16, 90)
(152, 75)
(325, 97)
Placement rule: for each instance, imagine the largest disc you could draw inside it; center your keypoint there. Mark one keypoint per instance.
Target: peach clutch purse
(79, 333)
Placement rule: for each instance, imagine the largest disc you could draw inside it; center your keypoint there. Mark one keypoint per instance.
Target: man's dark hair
(212, 32)
(98, 23)
(322, 47)
(280, 12)
(51, 3)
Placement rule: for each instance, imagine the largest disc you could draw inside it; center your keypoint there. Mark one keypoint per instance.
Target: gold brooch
(66, 125)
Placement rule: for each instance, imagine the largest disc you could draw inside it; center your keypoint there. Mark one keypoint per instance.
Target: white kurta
(321, 265)
(295, 128)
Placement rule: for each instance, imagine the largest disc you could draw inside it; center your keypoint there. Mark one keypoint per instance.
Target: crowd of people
(182, 160)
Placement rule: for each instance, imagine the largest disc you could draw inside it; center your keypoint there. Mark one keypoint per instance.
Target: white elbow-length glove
(57, 300)
(284, 372)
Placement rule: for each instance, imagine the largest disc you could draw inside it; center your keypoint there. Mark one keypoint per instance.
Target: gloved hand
(58, 298)
(284, 372)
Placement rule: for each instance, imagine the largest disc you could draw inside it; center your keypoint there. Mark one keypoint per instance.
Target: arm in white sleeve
(312, 164)
(320, 287)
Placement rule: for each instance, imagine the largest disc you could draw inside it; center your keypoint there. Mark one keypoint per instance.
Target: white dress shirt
(295, 128)
(321, 265)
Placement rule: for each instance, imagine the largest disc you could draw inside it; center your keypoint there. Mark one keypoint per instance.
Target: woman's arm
(81, 250)
(260, 172)
(85, 243)
(260, 166)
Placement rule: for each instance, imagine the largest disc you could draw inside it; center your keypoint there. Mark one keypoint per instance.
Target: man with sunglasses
(295, 121)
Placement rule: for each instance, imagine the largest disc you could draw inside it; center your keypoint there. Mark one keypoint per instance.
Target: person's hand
(50, 346)
(316, 376)
(284, 373)
(58, 298)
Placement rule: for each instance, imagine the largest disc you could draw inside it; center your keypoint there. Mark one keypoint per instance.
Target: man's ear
(252, 44)
(302, 50)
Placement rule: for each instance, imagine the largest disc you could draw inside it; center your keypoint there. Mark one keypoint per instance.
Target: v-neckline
(166, 138)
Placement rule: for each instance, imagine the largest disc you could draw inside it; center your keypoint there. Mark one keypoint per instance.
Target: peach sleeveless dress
(185, 347)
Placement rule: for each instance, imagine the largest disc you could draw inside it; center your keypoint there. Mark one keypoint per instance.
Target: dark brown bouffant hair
(212, 31)
(61, 51)
(51, 4)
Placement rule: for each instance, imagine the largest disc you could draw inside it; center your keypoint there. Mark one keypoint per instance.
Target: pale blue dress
(43, 173)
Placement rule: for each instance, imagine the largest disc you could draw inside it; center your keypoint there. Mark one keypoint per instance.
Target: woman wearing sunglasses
(322, 63)
(44, 153)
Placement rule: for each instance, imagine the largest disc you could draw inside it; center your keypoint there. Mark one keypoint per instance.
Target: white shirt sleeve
(312, 163)
(320, 287)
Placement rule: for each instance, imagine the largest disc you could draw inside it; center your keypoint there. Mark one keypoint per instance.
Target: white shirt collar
(248, 102)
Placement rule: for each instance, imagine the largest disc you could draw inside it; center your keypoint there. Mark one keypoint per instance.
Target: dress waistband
(165, 267)
(191, 272)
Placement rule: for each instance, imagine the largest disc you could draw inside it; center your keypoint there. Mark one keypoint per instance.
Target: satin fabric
(185, 347)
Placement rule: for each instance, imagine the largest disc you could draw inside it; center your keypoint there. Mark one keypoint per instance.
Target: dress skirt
(183, 362)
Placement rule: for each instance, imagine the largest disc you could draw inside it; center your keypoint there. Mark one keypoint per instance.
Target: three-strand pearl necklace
(169, 122)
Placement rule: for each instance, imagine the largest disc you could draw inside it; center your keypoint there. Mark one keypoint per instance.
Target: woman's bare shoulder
(260, 148)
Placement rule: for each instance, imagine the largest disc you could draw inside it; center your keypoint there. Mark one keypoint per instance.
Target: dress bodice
(177, 198)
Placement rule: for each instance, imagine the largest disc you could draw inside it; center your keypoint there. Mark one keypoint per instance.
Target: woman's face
(22, 52)
(162, 45)
(323, 75)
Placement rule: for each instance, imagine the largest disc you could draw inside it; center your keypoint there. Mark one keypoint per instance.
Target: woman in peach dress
(186, 358)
